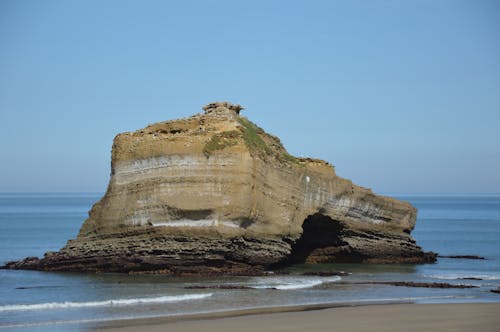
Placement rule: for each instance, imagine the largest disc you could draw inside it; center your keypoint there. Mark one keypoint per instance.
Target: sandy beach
(394, 317)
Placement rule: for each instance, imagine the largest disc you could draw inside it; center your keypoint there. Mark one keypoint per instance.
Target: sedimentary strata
(215, 194)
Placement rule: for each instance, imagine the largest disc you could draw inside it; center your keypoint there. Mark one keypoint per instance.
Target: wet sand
(394, 317)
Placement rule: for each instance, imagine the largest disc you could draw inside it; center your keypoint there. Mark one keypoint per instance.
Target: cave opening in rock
(320, 241)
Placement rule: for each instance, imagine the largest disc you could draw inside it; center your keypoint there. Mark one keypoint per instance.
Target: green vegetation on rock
(251, 135)
(221, 141)
(258, 141)
(285, 156)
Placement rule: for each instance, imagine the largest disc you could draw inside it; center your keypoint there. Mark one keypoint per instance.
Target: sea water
(31, 224)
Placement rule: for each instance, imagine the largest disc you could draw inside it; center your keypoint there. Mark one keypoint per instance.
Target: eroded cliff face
(215, 194)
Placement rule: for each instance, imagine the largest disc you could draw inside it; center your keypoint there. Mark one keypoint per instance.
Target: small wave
(291, 283)
(106, 303)
(463, 277)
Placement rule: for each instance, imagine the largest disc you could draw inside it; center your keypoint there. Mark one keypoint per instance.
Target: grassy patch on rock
(263, 144)
(285, 156)
(221, 141)
(252, 138)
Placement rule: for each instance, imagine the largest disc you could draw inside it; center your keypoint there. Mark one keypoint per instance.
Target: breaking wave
(291, 283)
(106, 303)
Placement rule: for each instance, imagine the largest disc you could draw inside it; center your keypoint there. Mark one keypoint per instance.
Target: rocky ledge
(214, 194)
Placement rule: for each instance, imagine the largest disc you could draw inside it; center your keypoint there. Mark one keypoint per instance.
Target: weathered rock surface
(215, 194)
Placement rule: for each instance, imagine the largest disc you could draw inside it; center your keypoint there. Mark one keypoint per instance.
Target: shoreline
(107, 323)
(209, 315)
(355, 316)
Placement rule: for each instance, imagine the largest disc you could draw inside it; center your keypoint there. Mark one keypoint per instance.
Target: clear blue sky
(401, 96)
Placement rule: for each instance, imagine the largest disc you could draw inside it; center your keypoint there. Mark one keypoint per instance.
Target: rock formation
(214, 194)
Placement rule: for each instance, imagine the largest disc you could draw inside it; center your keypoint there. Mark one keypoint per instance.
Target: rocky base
(150, 251)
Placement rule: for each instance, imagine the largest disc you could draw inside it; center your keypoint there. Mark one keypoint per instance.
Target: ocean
(31, 224)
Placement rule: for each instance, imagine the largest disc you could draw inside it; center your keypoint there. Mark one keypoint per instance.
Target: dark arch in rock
(321, 242)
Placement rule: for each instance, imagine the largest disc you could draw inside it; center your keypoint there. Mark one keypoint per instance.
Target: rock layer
(215, 194)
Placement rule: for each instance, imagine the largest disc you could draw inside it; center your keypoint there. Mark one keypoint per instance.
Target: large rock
(215, 194)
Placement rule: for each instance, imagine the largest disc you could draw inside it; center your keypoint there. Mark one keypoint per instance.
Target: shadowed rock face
(215, 194)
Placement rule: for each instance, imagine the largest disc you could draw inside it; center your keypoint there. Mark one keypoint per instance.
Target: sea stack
(214, 194)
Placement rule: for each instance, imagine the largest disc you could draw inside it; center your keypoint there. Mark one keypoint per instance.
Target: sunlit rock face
(215, 194)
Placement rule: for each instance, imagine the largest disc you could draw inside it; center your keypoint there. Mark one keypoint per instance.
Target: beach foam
(291, 283)
(106, 303)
